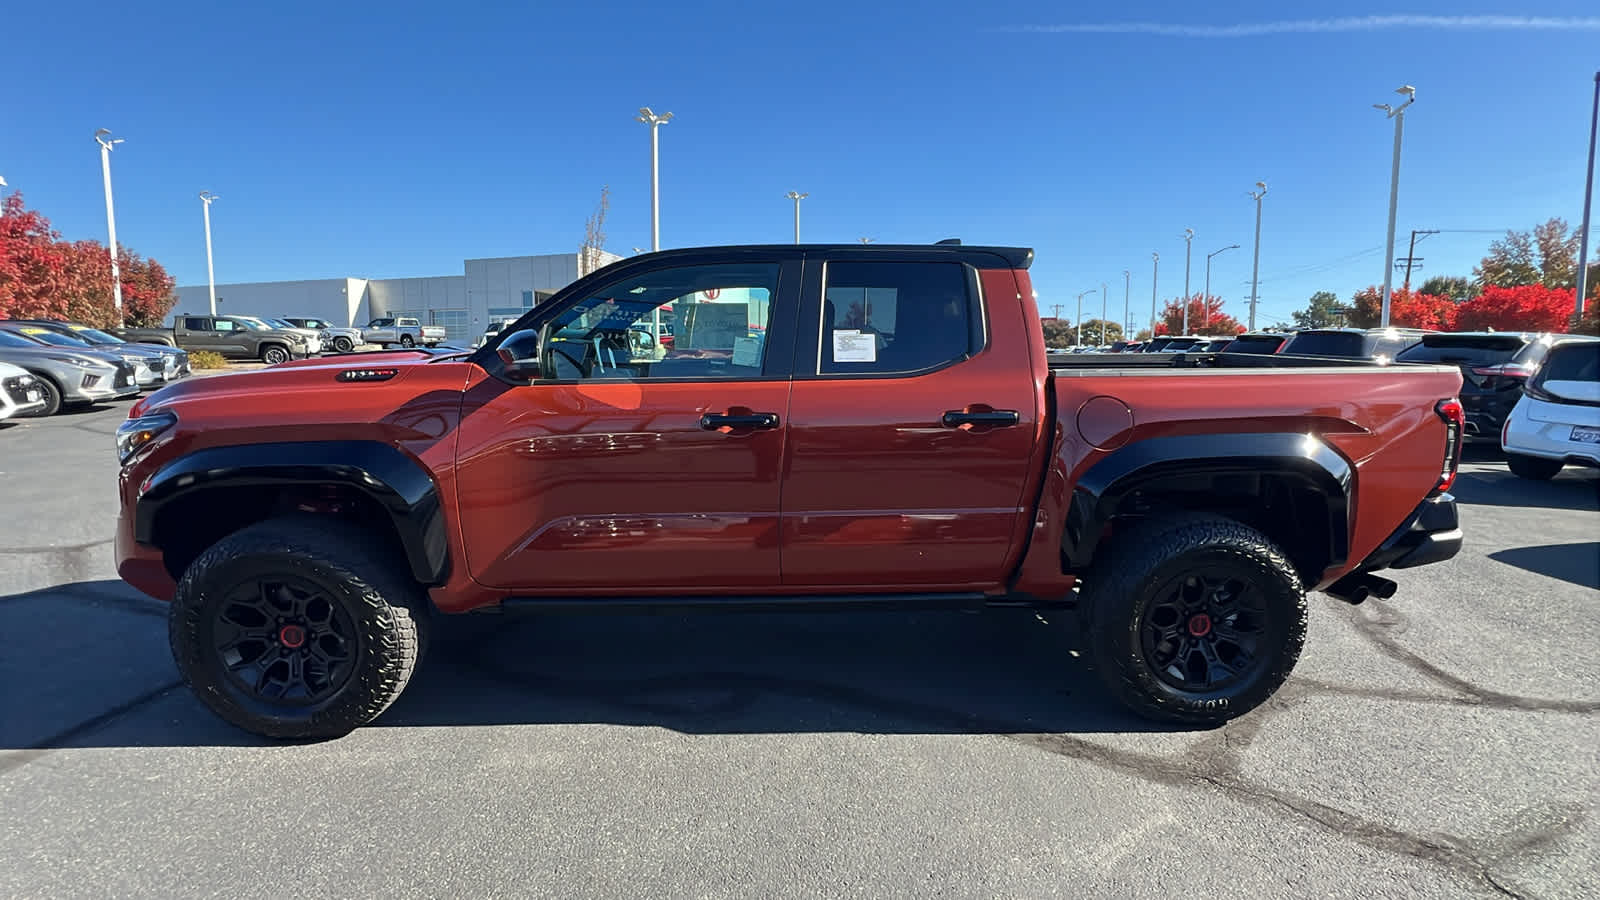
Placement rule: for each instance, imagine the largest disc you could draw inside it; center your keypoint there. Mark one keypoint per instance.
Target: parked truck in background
(402, 331)
(234, 337)
(893, 435)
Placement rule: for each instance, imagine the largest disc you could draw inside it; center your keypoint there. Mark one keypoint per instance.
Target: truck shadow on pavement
(1577, 564)
(1004, 671)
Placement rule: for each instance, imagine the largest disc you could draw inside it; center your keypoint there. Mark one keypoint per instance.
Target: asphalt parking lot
(1442, 744)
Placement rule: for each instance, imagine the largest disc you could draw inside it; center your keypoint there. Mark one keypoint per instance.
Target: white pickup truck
(404, 331)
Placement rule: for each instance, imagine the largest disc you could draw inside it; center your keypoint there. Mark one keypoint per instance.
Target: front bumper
(103, 384)
(150, 373)
(23, 393)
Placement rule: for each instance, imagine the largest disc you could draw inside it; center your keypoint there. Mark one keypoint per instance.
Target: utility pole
(1103, 340)
(1255, 267)
(1127, 318)
(1411, 256)
(1398, 114)
(1588, 193)
(1155, 273)
(1057, 308)
(1188, 243)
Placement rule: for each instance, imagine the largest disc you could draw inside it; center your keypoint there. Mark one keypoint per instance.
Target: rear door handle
(714, 421)
(999, 418)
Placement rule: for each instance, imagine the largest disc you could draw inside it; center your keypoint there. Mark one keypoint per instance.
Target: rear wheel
(52, 398)
(272, 354)
(1534, 467)
(406, 341)
(296, 628)
(1193, 619)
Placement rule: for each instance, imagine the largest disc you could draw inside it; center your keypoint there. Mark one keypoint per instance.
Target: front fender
(397, 482)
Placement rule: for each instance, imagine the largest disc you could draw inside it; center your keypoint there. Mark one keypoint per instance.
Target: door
(232, 339)
(632, 465)
(199, 334)
(380, 331)
(910, 435)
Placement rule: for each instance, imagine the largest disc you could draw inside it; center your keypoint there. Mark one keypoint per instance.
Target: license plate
(1585, 435)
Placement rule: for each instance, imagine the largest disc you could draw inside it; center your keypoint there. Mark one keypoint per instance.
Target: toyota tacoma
(831, 428)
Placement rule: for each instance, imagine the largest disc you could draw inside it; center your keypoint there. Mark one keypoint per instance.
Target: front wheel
(273, 354)
(1193, 619)
(52, 399)
(1535, 468)
(343, 344)
(296, 628)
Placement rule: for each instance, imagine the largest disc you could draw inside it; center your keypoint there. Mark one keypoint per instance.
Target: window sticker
(854, 346)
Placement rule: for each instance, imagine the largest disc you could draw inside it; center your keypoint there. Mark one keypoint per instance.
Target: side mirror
(521, 354)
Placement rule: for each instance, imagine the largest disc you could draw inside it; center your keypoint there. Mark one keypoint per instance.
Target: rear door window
(1267, 345)
(1327, 343)
(883, 318)
(196, 324)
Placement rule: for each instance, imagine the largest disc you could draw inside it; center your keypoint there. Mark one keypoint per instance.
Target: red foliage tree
(1528, 307)
(42, 276)
(1205, 317)
(1407, 309)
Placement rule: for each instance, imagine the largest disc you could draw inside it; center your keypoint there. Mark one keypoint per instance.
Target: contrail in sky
(1323, 26)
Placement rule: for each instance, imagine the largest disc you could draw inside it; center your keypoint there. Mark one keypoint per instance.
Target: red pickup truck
(889, 433)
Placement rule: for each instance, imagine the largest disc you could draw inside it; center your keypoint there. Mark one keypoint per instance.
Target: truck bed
(1074, 363)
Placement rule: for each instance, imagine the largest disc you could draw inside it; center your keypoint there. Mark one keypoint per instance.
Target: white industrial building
(463, 304)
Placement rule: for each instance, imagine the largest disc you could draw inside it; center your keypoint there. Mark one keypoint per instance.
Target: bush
(205, 359)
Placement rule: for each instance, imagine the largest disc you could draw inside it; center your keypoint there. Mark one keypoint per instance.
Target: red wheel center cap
(1200, 625)
(292, 636)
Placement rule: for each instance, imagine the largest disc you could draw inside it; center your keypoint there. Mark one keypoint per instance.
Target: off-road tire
(343, 345)
(272, 354)
(1534, 468)
(52, 399)
(1129, 576)
(368, 579)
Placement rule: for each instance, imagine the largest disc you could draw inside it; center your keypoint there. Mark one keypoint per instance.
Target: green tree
(1091, 331)
(1456, 287)
(1058, 333)
(1510, 262)
(1558, 253)
(1323, 311)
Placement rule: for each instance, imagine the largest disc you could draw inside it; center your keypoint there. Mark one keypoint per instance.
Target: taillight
(1508, 370)
(1455, 421)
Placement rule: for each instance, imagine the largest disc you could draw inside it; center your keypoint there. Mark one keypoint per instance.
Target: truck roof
(1014, 257)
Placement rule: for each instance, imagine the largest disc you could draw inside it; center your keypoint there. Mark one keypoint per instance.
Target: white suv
(1557, 421)
(20, 393)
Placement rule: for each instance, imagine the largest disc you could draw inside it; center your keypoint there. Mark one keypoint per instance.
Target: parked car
(1556, 422)
(1194, 507)
(20, 393)
(1377, 345)
(489, 331)
(1256, 342)
(404, 331)
(1494, 367)
(175, 362)
(234, 337)
(338, 338)
(68, 376)
(1168, 343)
(149, 366)
(313, 336)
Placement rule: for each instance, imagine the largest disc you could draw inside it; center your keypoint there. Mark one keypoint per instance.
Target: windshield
(254, 324)
(8, 339)
(1327, 343)
(46, 336)
(95, 335)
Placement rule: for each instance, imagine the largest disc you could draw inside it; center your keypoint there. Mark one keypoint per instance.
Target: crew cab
(233, 337)
(403, 331)
(835, 427)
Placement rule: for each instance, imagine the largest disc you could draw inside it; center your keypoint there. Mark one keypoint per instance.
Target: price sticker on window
(854, 346)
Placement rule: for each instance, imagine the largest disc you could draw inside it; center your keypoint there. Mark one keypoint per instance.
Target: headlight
(132, 359)
(81, 361)
(136, 433)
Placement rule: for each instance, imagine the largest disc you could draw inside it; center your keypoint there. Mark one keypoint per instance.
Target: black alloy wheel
(274, 354)
(1204, 630)
(284, 639)
(343, 344)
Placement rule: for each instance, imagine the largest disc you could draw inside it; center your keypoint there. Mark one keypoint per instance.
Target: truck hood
(318, 374)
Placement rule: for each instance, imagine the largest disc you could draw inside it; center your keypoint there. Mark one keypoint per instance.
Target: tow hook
(1355, 589)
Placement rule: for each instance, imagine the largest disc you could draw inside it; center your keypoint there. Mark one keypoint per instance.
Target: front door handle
(999, 418)
(715, 421)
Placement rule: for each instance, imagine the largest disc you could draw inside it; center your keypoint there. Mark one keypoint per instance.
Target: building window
(456, 324)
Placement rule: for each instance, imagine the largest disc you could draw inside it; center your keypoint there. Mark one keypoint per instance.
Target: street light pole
(1207, 300)
(1127, 316)
(2, 196)
(1103, 340)
(1155, 272)
(103, 138)
(1255, 267)
(655, 122)
(1078, 342)
(1188, 242)
(206, 197)
(1398, 114)
(796, 198)
(1588, 194)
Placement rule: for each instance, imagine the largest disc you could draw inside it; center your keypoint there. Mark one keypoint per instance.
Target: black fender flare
(1101, 490)
(395, 481)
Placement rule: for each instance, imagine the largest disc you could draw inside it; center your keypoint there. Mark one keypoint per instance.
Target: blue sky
(389, 139)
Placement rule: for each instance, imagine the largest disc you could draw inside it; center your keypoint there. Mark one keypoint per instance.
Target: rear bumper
(1431, 534)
